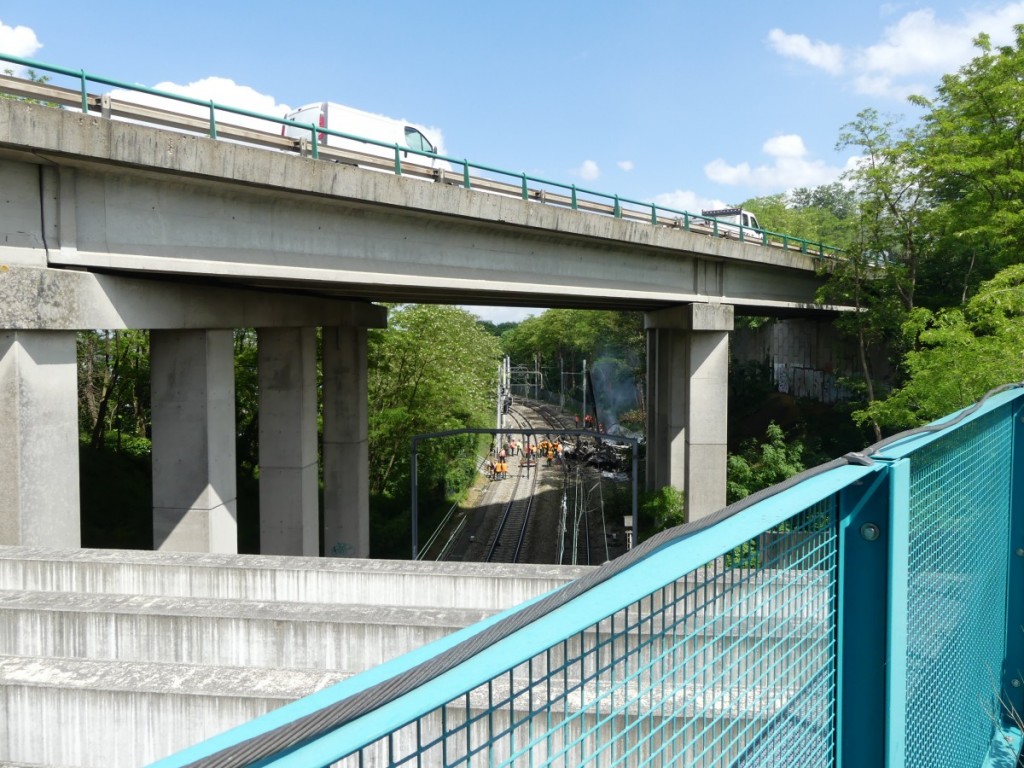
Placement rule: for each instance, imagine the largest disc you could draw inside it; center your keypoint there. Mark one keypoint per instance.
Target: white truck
(355, 122)
(731, 222)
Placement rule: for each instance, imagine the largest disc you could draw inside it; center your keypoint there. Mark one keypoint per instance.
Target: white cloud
(218, 89)
(918, 48)
(626, 165)
(791, 167)
(818, 54)
(588, 170)
(685, 200)
(18, 41)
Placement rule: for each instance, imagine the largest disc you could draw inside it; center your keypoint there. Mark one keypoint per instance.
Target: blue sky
(674, 102)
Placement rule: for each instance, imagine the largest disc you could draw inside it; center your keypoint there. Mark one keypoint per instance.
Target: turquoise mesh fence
(957, 591)
(866, 614)
(733, 661)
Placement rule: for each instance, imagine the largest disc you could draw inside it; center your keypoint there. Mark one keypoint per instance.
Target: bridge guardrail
(882, 625)
(524, 186)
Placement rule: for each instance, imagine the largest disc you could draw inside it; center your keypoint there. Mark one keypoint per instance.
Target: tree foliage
(958, 354)
(820, 214)
(432, 369)
(560, 340)
(762, 464)
(944, 202)
(972, 148)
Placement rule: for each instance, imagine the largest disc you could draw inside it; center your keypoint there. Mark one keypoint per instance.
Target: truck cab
(732, 222)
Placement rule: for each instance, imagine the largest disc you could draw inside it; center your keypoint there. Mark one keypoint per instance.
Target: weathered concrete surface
(289, 463)
(192, 379)
(215, 631)
(117, 714)
(36, 298)
(294, 579)
(687, 374)
(119, 196)
(114, 658)
(39, 496)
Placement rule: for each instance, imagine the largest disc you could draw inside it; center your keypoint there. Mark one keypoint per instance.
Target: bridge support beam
(39, 497)
(193, 415)
(688, 370)
(289, 482)
(346, 443)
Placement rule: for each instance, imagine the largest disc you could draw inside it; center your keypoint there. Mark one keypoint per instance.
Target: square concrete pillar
(688, 403)
(289, 465)
(707, 407)
(39, 496)
(666, 413)
(192, 382)
(346, 443)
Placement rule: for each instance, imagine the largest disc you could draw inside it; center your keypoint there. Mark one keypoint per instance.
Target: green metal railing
(866, 613)
(516, 183)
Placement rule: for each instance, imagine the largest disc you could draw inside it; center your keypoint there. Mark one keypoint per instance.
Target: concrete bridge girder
(101, 194)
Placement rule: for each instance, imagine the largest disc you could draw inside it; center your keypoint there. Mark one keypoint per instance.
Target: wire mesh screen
(732, 664)
(958, 565)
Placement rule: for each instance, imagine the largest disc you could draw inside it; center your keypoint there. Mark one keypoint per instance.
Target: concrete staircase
(115, 658)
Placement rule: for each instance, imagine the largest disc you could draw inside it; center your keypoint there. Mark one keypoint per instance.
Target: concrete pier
(193, 412)
(688, 369)
(39, 497)
(289, 465)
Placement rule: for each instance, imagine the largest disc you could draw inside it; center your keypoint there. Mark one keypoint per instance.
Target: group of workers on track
(551, 450)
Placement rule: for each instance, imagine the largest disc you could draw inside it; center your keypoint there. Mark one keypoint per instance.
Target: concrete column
(289, 483)
(39, 498)
(345, 444)
(666, 414)
(193, 411)
(688, 404)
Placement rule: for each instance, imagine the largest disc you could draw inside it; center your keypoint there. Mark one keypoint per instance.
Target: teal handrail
(642, 210)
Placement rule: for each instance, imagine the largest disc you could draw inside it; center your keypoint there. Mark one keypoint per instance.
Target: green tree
(432, 369)
(820, 214)
(661, 510)
(559, 340)
(113, 392)
(972, 151)
(959, 354)
(761, 464)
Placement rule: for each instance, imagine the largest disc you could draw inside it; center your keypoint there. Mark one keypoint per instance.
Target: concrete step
(294, 579)
(117, 658)
(109, 714)
(222, 632)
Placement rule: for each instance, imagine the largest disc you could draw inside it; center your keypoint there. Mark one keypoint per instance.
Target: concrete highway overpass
(111, 224)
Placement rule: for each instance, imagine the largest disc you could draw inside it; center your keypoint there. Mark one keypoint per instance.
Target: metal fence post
(898, 611)
(862, 624)
(1013, 667)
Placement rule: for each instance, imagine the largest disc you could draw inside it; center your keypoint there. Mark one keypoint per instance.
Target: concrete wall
(807, 356)
(112, 659)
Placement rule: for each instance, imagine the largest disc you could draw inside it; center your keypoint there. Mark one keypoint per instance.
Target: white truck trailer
(355, 122)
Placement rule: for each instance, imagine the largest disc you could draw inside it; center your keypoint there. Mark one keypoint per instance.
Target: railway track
(537, 512)
(507, 544)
